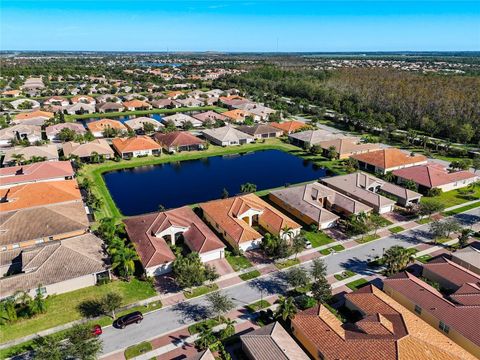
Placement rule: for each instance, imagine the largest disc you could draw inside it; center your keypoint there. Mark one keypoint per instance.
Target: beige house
(86, 150)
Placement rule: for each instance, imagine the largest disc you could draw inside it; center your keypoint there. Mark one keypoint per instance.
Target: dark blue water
(143, 189)
(122, 119)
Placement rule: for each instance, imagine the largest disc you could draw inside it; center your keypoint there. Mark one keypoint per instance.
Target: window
(38, 241)
(15, 246)
(418, 309)
(444, 327)
(41, 290)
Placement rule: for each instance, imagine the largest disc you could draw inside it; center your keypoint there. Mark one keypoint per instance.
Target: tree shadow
(177, 340)
(467, 219)
(359, 266)
(191, 312)
(270, 285)
(90, 308)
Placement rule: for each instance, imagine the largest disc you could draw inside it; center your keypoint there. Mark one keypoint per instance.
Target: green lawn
(329, 250)
(137, 350)
(454, 197)
(344, 275)
(396, 229)
(238, 262)
(204, 324)
(250, 275)
(317, 238)
(424, 258)
(62, 308)
(258, 305)
(287, 263)
(356, 284)
(367, 238)
(200, 290)
(424, 221)
(462, 209)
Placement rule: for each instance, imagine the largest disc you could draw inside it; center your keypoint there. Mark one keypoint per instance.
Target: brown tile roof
(79, 98)
(177, 138)
(136, 104)
(38, 194)
(100, 146)
(389, 158)
(451, 271)
(40, 171)
(432, 175)
(236, 114)
(289, 127)
(102, 124)
(136, 143)
(387, 331)
(210, 115)
(48, 151)
(34, 114)
(40, 222)
(348, 146)
(259, 129)
(55, 262)
(227, 213)
(55, 129)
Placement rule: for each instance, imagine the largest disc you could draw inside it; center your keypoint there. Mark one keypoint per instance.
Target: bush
(305, 302)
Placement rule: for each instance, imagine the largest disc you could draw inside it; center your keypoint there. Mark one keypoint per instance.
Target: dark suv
(134, 317)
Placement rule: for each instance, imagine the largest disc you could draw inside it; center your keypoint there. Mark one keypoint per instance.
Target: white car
(308, 244)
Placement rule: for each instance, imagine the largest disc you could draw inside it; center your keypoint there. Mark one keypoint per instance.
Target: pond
(142, 189)
(122, 119)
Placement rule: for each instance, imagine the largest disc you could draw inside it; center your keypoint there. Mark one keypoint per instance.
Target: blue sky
(248, 25)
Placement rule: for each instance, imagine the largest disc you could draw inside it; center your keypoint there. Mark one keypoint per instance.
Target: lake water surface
(143, 189)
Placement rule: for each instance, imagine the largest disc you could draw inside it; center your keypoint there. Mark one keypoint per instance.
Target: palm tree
(288, 232)
(229, 329)
(389, 176)
(95, 157)
(123, 258)
(205, 338)
(396, 259)
(18, 158)
(286, 309)
(464, 236)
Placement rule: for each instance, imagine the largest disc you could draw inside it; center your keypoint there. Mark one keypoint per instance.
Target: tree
(297, 277)
(229, 329)
(410, 185)
(38, 304)
(321, 290)
(189, 271)
(332, 152)
(211, 274)
(465, 234)
(148, 128)
(318, 269)
(81, 344)
(275, 246)
(476, 163)
(205, 338)
(248, 188)
(286, 309)
(48, 348)
(110, 302)
(397, 259)
(66, 134)
(298, 244)
(443, 229)
(18, 159)
(187, 125)
(430, 206)
(219, 303)
(225, 193)
(376, 221)
(8, 313)
(123, 259)
(463, 164)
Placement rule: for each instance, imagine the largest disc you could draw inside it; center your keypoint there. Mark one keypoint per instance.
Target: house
(174, 94)
(98, 127)
(153, 234)
(11, 93)
(35, 173)
(232, 100)
(135, 104)
(37, 117)
(32, 133)
(45, 152)
(289, 127)
(454, 311)
(36, 225)
(346, 147)
(177, 141)
(372, 191)
(271, 341)
(191, 102)
(238, 115)
(236, 218)
(57, 101)
(210, 116)
(214, 93)
(389, 159)
(227, 136)
(136, 146)
(131, 97)
(108, 98)
(33, 84)
(83, 99)
(52, 131)
(80, 108)
(468, 257)
(25, 104)
(39, 194)
(259, 111)
(435, 176)
(164, 103)
(86, 150)
(54, 268)
(107, 107)
(316, 204)
(386, 330)
(261, 131)
(202, 355)
(179, 120)
(137, 124)
(309, 138)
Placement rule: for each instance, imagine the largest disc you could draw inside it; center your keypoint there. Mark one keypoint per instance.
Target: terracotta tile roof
(40, 171)
(433, 175)
(177, 138)
(289, 127)
(102, 124)
(136, 143)
(227, 213)
(11, 92)
(389, 158)
(387, 331)
(34, 114)
(38, 194)
(80, 98)
(136, 104)
(236, 114)
(172, 94)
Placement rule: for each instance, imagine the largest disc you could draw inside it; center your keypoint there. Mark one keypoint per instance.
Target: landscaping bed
(344, 275)
(367, 238)
(462, 209)
(258, 305)
(424, 258)
(137, 350)
(335, 248)
(396, 229)
(287, 263)
(250, 275)
(238, 262)
(200, 290)
(357, 284)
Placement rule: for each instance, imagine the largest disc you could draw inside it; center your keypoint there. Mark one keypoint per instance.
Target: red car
(97, 330)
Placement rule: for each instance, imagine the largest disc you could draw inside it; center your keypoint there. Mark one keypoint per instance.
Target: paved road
(170, 318)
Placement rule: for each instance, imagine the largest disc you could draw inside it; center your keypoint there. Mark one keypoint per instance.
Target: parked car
(97, 330)
(134, 317)
(308, 244)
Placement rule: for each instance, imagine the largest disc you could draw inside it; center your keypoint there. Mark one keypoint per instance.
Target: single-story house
(80, 108)
(371, 191)
(54, 268)
(136, 146)
(316, 204)
(468, 257)
(312, 137)
(258, 110)
(98, 127)
(36, 225)
(236, 218)
(11, 93)
(136, 124)
(389, 159)
(135, 104)
(347, 147)
(83, 99)
(214, 93)
(191, 102)
(210, 116)
(435, 176)
(153, 234)
(164, 103)
(289, 127)
(31, 133)
(108, 98)
(227, 136)
(36, 172)
(52, 131)
(233, 100)
(135, 96)
(261, 131)
(56, 100)
(21, 104)
(110, 107)
(86, 150)
(36, 117)
(180, 119)
(47, 152)
(238, 115)
(177, 141)
(174, 94)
